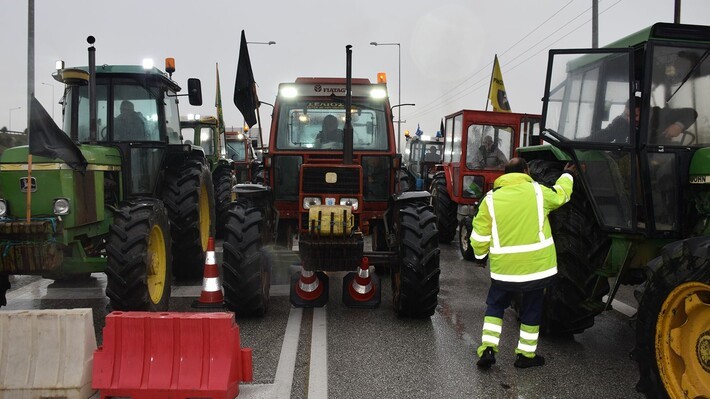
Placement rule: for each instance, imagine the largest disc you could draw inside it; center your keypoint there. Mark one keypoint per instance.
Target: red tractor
(477, 144)
(330, 178)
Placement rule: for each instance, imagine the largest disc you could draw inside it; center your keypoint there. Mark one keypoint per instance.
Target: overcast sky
(447, 47)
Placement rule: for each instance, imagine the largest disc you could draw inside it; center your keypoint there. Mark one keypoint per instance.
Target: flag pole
(30, 95)
(258, 121)
(490, 82)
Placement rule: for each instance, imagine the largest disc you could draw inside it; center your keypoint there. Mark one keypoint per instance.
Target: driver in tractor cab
(330, 136)
(129, 124)
(489, 155)
(432, 155)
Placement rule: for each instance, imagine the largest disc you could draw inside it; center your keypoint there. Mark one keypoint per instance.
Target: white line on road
(287, 360)
(29, 291)
(621, 307)
(318, 375)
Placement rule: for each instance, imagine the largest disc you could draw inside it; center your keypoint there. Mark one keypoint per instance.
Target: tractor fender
(411, 196)
(252, 191)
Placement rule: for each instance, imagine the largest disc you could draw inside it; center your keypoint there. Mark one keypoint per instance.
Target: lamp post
(9, 112)
(53, 105)
(399, 89)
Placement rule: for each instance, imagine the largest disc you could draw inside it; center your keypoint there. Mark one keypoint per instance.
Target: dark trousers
(530, 307)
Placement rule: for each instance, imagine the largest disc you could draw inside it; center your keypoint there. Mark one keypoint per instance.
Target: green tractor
(142, 209)
(640, 212)
(207, 133)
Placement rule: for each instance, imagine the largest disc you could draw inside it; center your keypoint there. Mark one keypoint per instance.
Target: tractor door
(583, 113)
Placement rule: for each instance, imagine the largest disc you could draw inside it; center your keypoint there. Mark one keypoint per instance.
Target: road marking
(32, 290)
(287, 360)
(318, 374)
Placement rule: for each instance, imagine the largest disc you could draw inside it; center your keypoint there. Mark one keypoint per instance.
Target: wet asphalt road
(340, 352)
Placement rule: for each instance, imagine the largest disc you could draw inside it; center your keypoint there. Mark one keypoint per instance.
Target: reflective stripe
(489, 339)
(480, 238)
(528, 335)
(526, 348)
(516, 249)
(481, 256)
(515, 278)
(492, 327)
(540, 200)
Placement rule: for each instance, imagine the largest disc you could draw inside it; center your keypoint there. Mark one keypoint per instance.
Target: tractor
(207, 133)
(240, 149)
(640, 211)
(421, 155)
(331, 188)
(141, 211)
(477, 144)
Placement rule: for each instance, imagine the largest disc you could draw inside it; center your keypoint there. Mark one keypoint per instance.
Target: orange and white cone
(211, 295)
(361, 289)
(309, 289)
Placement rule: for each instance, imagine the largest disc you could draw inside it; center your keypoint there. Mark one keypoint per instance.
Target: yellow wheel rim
(204, 217)
(683, 341)
(157, 265)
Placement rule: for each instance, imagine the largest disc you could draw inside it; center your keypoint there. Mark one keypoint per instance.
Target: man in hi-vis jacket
(511, 229)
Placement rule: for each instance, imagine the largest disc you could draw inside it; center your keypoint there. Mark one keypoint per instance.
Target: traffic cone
(309, 289)
(211, 295)
(361, 289)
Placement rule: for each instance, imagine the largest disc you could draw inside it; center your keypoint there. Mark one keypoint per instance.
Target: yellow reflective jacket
(511, 226)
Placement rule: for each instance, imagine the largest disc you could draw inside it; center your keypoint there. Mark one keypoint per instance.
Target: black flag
(48, 140)
(245, 88)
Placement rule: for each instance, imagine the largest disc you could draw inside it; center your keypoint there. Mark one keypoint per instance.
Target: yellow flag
(497, 95)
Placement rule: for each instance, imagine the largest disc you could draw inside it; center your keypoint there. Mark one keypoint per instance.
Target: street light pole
(9, 112)
(53, 105)
(268, 43)
(399, 89)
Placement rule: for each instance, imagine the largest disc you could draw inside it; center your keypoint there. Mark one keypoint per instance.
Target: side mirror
(194, 91)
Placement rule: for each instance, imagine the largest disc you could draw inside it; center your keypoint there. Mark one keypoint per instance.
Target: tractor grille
(348, 180)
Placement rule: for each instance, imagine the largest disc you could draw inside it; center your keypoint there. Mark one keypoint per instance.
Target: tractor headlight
(3, 208)
(351, 202)
(308, 202)
(61, 206)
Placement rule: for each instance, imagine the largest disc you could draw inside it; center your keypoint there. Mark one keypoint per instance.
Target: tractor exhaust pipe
(348, 128)
(92, 90)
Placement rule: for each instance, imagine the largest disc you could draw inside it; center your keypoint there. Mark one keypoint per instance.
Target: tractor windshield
(318, 125)
(127, 112)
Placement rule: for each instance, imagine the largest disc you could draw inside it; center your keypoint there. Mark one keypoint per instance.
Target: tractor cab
(634, 116)
(421, 155)
(136, 113)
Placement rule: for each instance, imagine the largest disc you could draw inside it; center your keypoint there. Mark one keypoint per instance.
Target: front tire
(415, 279)
(189, 198)
(672, 340)
(247, 271)
(465, 229)
(139, 263)
(223, 182)
(445, 210)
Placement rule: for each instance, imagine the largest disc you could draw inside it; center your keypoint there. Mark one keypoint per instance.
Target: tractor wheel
(576, 298)
(223, 182)
(4, 286)
(246, 268)
(465, 228)
(189, 198)
(672, 338)
(445, 210)
(415, 279)
(138, 270)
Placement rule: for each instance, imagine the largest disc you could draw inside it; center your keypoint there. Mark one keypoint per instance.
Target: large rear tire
(445, 210)
(247, 271)
(189, 198)
(415, 280)
(138, 270)
(223, 182)
(672, 339)
(576, 298)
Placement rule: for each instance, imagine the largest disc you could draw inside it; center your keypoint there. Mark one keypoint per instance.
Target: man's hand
(673, 130)
(481, 262)
(570, 168)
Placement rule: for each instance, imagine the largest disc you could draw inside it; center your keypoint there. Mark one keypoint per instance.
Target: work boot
(488, 358)
(523, 362)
